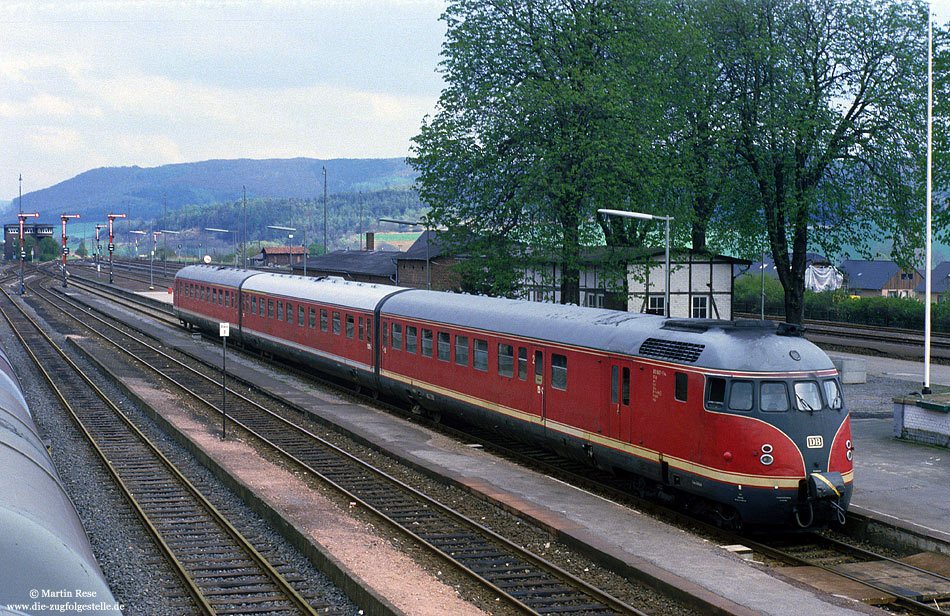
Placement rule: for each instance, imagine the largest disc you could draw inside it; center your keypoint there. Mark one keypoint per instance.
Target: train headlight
(850, 448)
(766, 459)
(766, 448)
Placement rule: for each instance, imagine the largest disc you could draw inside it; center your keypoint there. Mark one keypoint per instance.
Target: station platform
(900, 482)
(632, 541)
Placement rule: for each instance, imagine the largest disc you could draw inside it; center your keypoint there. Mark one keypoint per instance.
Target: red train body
(734, 416)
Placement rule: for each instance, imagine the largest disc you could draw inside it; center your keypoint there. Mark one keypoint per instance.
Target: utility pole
(164, 239)
(324, 209)
(244, 241)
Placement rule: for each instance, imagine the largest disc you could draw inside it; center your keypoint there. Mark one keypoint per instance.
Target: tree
(81, 251)
(532, 133)
(827, 118)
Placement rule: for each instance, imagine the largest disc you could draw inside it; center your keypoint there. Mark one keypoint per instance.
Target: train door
(620, 417)
(539, 384)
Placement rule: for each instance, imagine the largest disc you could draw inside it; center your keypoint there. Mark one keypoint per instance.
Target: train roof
(330, 290)
(216, 274)
(741, 346)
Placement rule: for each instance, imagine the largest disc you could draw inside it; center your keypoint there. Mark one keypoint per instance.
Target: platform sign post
(223, 331)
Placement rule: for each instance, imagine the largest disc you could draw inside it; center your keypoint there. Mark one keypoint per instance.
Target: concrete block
(851, 370)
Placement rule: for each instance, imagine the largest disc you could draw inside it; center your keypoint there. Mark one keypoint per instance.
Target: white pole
(927, 307)
(667, 298)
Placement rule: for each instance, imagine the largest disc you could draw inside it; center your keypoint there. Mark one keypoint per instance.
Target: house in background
(373, 266)
(879, 279)
(939, 284)
(427, 264)
(275, 256)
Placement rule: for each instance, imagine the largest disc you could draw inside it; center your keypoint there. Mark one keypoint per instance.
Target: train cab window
(740, 396)
(280, 310)
(336, 323)
(558, 371)
(445, 344)
(680, 386)
(523, 363)
(715, 392)
(506, 360)
(397, 336)
(832, 394)
(807, 396)
(427, 343)
(300, 313)
(625, 386)
(480, 355)
(313, 318)
(614, 384)
(349, 326)
(461, 350)
(323, 320)
(412, 336)
(773, 396)
(359, 329)
(270, 309)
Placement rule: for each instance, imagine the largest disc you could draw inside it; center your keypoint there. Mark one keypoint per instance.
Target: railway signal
(22, 216)
(65, 217)
(112, 218)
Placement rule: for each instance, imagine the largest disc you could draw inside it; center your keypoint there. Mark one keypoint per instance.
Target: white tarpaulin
(822, 278)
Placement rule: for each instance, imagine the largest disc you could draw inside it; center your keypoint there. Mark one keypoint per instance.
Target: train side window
(359, 330)
(290, 312)
(715, 392)
(461, 350)
(369, 330)
(506, 360)
(280, 310)
(221, 297)
(323, 320)
(214, 295)
(445, 346)
(614, 384)
(397, 336)
(559, 371)
(254, 305)
(625, 386)
(807, 396)
(300, 313)
(349, 326)
(832, 394)
(522, 363)
(740, 396)
(270, 309)
(227, 299)
(773, 396)
(480, 355)
(412, 336)
(313, 318)
(680, 387)
(427, 342)
(539, 367)
(336, 323)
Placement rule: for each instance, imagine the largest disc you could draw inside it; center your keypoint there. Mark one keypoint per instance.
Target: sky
(91, 83)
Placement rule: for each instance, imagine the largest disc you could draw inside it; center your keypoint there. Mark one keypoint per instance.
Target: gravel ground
(135, 570)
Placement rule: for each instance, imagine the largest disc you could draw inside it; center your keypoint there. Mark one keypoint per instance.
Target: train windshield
(772, 396)
(807, 396)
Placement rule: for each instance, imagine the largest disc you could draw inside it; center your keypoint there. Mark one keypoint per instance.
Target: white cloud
(55, 140)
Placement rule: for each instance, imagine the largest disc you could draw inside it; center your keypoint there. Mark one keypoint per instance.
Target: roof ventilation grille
(671, 349)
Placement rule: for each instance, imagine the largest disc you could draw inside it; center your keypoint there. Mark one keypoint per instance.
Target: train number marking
(815, 442)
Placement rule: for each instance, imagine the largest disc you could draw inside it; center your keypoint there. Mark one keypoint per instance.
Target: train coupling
(826, 489)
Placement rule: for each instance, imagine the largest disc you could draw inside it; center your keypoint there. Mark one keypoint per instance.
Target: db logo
(815, 442)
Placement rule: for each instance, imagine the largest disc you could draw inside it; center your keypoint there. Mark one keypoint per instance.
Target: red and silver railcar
(743, 417)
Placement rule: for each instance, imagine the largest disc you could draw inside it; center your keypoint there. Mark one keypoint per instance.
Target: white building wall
(687, 280)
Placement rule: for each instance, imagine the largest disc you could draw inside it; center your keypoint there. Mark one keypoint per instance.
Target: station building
(11, 236)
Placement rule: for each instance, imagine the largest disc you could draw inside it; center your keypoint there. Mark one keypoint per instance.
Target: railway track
(525, 580)
(221, 572)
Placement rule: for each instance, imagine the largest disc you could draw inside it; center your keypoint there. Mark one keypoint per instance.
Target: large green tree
(828, 118)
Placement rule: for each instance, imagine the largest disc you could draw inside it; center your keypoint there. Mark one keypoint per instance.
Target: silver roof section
(216, 274)
(726, 345)
(331, 290)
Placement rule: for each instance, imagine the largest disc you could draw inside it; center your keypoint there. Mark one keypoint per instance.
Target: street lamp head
(627, 214)
(401, 222)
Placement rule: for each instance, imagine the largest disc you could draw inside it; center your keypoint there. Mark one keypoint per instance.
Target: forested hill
(117, 189)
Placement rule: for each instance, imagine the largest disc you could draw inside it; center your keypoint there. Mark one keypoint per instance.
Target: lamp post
(65, 217)
(415, 222)
(244, 240)
(324, 210)
(233, 240)
(291, 231)
(22, 216)
(667, 219)
(165, 239)
(112, 218)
